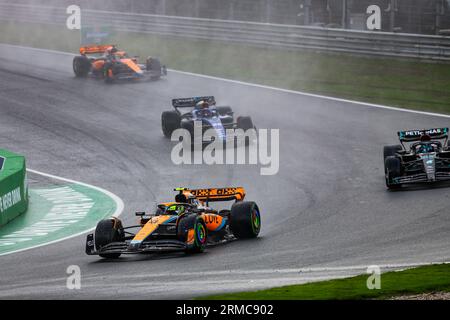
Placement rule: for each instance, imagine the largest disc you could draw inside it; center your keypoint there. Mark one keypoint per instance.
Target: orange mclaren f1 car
(187, 224)
(108, 63)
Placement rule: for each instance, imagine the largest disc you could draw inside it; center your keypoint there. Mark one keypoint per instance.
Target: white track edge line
(249, 84)
(296, 271)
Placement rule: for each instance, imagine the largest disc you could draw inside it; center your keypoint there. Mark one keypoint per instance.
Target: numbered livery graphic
(425, 159)
(187, 224)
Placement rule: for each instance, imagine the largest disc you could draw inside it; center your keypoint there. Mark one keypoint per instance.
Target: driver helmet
(425, 146)
(202, 104)
(111, 51)
(175, 209)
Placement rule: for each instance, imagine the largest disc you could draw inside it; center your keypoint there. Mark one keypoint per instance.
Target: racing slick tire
(245, 220)
(193, 222)
(105, 233)
(154, 65)
(81, 66)
(245, 123)
(389, 151)
(225, 111)
(392, 169)
(170, 121)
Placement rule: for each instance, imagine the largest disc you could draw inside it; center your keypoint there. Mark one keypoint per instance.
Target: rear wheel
(392, 168)
(170, 121)
(106, 233)
(192, 231)
(81, 66)
(245, 123)
(224, 111)
(245, 220)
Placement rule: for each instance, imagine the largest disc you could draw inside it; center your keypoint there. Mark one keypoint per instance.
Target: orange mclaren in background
(109, 63)
(187, 224)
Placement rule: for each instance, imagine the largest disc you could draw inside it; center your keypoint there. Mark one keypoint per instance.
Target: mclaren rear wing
(415, 135)
(92, 49)
(218, 194)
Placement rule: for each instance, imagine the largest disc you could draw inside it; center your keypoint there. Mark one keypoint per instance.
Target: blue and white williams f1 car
(203, 111)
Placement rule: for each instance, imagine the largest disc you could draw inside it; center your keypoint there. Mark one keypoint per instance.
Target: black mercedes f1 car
(426, 158)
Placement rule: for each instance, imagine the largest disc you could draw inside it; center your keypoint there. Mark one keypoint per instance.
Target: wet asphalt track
(326, 208)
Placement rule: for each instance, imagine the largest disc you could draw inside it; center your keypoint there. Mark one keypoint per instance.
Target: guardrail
(13, 186)
(252, 33)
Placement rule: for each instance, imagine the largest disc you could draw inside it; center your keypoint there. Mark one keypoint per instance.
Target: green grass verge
(395, 82)
(412, 281)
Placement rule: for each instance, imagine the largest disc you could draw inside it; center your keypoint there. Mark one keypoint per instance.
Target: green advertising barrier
(13, 186)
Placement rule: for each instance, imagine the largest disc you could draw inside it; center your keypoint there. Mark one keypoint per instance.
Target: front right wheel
(244, 123)
(192, 230)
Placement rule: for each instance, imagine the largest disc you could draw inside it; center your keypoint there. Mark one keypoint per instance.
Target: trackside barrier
(293, 37)
(13, 186)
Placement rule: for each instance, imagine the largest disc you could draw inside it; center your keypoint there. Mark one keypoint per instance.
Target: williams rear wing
(218, 194)
(92, 49)
(191, 102)
(415, 135)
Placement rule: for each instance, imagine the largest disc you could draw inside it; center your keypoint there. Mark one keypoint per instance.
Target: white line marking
(38, 49)
(290, 271)
(304, 274)
(119, 208)
(306, 94)
(249, 84)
